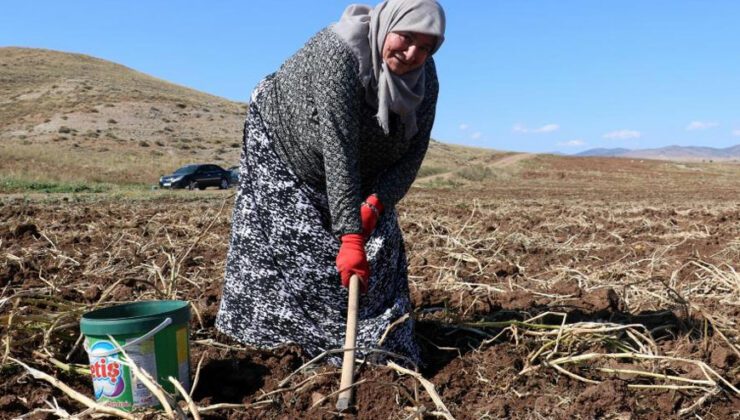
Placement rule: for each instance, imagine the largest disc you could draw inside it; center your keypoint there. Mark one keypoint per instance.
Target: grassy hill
(71, 117)
(71, 122)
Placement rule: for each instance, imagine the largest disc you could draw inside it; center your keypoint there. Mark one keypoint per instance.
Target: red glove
(370, 212)
(351, 259)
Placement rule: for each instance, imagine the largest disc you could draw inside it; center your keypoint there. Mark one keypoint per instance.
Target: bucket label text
(106, 371)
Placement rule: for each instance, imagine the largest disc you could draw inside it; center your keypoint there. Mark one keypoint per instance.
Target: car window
(189, 169)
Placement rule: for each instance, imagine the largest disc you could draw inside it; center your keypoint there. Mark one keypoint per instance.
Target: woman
(332, 142)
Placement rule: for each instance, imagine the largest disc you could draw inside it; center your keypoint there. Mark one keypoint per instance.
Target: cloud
(622, 135)
(475, 135)
(736, 133)
(700, 125)
(547, 128)
(572, 143)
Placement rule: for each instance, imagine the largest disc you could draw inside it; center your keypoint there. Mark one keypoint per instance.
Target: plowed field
(586, 301)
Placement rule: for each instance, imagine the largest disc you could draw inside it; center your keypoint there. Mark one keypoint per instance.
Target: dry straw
(467, 258)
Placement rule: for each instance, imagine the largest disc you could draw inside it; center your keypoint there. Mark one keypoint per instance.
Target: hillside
(71, 112)
(71, 118)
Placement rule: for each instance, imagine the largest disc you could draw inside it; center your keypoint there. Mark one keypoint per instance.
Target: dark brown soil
(526, 253)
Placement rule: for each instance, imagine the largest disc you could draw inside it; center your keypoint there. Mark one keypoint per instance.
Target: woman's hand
(351, 259)
(370, 212)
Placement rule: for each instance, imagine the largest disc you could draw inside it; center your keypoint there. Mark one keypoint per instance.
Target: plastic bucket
(154, 335)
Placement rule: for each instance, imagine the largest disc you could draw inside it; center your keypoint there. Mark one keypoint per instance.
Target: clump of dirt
(606, 398)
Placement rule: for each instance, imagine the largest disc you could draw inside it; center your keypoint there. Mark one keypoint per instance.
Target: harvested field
(554, 296)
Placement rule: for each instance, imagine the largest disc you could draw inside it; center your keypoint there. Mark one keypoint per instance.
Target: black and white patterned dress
(313, 150)
(281, 284)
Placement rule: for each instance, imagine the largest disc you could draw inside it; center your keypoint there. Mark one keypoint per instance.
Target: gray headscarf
(365, 28)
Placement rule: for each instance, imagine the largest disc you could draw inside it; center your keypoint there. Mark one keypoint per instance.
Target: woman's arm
(393, 183)
(338, 99)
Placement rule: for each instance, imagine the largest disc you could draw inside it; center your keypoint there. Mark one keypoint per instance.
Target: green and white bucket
(154, 335)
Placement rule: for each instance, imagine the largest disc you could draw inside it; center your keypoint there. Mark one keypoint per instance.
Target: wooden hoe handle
(348, 364)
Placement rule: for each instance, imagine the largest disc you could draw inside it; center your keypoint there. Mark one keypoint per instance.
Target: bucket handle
(146, 336)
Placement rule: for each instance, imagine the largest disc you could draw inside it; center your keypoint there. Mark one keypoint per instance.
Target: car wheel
(224, 184)
(192, 185)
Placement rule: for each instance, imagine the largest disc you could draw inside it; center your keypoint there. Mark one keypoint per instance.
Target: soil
(500, 255)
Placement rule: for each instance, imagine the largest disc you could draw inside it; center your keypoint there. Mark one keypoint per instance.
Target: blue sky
(523, 75)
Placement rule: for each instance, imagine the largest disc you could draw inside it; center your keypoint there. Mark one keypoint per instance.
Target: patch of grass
(132, 166)
(15, 185)
(428, 170)
(476, 173)
(439, 183)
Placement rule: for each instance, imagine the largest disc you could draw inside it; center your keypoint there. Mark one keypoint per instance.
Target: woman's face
(407, 51)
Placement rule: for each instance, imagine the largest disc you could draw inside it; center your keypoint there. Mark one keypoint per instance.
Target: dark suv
(197, 176)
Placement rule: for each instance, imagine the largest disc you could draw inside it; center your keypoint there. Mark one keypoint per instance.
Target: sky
(521, 75)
